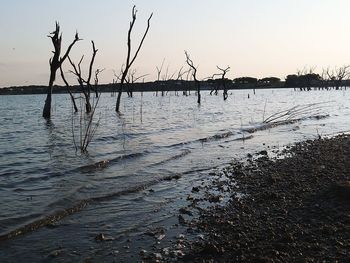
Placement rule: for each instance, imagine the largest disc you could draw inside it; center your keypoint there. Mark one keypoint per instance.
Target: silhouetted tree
(194, 75)
(129, 60)
(131, 79)
(97, 72)
(337, 75)
(85, 85)
(245, 80)
(159, 71)
(292, 81)
(55, 63)
(304, 79)
(180, 73)
(223, 79)
(269, 80)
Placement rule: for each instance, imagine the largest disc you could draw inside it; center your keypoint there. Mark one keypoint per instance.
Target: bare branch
(159, 70)
(94, 51)
(76, 39)
(142, 40)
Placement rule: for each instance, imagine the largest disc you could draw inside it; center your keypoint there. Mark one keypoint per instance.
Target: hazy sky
(255, 37)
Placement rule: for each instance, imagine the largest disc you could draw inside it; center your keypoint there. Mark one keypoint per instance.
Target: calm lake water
(155, 138)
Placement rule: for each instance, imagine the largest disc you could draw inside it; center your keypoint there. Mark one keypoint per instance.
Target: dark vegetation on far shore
(181, 85)
(136, 87)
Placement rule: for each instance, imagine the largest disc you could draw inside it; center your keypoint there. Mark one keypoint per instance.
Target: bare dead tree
(159, 71)
(69, 90)
(97, 72)
(131, 79)
(221, 82)
(85, 85)
(215, 89)
(180, 74)
(223, 73)
(55, 63)
(194, 75)
(129, 60)
(166, 77)
(188, 73)
(306, 75)
(338, 75)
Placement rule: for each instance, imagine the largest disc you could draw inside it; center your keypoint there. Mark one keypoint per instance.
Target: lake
(151, 155)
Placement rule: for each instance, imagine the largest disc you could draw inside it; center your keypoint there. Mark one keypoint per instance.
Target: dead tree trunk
(194, 75)
(69, 91)
(55, 63)
(130, 61)
(88, 82)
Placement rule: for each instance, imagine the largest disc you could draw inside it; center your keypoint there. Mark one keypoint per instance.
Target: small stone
(215, 199)
(263, 152)
(190, 197)
(178, 253)
(166, 251)
(185, 211)
(100, 237)
(103, 237)
(195, 189)
(181, 236)
(157, 256)
(181, 219)
(160, 236)
(55, 253)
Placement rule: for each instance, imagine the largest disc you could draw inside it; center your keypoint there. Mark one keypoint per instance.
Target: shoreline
(279, 209)
(253, 209)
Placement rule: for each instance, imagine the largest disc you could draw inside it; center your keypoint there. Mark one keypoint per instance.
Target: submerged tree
(94, 88)
(55, 63)
(129, 60)
(85, 85)
(194, 75)
(159, 71)
(131, 79)
(223, 80)
(338, 75)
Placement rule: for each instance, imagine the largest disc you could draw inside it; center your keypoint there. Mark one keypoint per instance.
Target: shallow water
(155, 138)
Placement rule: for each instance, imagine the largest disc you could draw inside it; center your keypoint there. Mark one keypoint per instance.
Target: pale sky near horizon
(254, 37)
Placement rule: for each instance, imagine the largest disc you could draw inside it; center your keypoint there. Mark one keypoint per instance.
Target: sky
(256, 38)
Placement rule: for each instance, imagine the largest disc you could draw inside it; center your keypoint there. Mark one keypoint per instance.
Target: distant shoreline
(136, 87)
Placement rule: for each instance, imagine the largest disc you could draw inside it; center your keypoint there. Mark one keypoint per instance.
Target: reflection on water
(155, 138)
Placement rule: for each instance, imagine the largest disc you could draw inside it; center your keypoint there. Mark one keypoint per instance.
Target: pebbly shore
(292, 206)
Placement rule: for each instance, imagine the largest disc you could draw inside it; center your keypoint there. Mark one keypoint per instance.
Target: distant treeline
(168, 85)
(306, 81)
